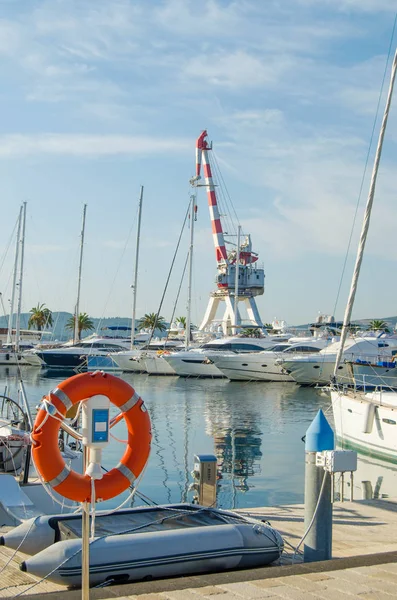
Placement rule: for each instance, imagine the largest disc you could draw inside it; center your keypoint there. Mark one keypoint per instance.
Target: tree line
(41, 318)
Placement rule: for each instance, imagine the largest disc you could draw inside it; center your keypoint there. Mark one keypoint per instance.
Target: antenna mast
(138, 234)
(76, 314)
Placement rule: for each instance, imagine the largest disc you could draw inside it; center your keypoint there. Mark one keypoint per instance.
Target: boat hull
(186, 539)
(59, 360)
(102, 363)
(192, 365)
(130, 361)
(10, 358)
(315, 371)
(156, 365)
(251, 368)
(376, 436)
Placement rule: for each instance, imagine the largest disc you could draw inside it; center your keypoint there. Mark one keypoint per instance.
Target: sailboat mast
(189, 287)
(367, 216)
(18, 320)
(14, 279)
(76, 314)
(138, 235)
(236, 280)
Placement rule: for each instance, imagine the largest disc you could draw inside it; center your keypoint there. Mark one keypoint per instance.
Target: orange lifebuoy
(48, 458)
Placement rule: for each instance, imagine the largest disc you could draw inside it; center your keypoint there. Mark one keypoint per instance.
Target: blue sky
(100, 97)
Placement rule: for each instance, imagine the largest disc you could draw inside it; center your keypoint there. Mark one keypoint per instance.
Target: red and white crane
(242, 285)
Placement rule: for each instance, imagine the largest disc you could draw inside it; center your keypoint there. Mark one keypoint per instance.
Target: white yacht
(262, 366)
(367, 420)
(198, 361)
(75, 356)
(318, 368)
(135, 360)
(155, 363)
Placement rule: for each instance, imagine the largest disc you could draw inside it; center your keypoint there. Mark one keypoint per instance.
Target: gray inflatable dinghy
(145, 543)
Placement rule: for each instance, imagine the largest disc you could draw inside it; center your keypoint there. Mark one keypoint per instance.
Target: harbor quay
(363, 564)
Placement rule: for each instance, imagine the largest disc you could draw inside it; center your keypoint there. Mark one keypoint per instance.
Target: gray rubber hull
(152, 555)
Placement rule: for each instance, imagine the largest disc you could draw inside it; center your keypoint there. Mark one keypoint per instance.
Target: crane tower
(251, 278)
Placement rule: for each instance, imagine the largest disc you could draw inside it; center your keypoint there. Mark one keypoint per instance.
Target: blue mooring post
(318, 542)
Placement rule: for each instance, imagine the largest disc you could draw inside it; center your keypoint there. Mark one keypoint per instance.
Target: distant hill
(362, 323)
(59, 331)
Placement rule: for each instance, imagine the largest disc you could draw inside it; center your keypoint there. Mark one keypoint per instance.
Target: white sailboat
(367, 420)
(10, 353)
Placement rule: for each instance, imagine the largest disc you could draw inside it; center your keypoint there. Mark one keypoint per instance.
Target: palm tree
(40, 318)
(84, 323)
(251, 332)
(378, 324)
(181, 320)
(152, 321)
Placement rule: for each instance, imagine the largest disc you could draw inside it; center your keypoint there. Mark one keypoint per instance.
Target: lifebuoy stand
(96, 428)
(96, 391)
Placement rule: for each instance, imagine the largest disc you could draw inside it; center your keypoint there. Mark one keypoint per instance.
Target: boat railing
(367, 377)
(387, 361)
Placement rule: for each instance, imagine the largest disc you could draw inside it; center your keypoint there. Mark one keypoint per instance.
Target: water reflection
(254, 429)
(237, 443)
(374, 478)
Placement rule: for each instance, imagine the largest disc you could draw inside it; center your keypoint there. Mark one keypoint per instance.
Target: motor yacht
(262, 366)
(75, 356)
(135, 360)
(318, 368)
(197, 362)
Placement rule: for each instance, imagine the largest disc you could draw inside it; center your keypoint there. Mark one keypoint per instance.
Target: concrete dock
(364, 565)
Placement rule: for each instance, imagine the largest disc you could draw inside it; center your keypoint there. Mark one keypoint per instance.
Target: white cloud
(17, 145)
(212, 18)
(10, 37)
(237, 69)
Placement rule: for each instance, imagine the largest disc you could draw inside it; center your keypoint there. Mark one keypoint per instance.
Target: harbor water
(254, 429)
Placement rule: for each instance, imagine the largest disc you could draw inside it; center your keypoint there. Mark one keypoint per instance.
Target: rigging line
(222, 181)
(222, 204)
(111, 289)
(366, 165)
(169, 273)
(8, 245)
(178, 293)
(222, 199)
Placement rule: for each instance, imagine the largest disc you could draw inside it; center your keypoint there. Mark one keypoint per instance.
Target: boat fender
(46, 453)
(369, 415)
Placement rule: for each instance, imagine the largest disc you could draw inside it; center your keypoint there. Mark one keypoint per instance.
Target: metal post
(318, 505)
(138, 236)
(85, 541)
